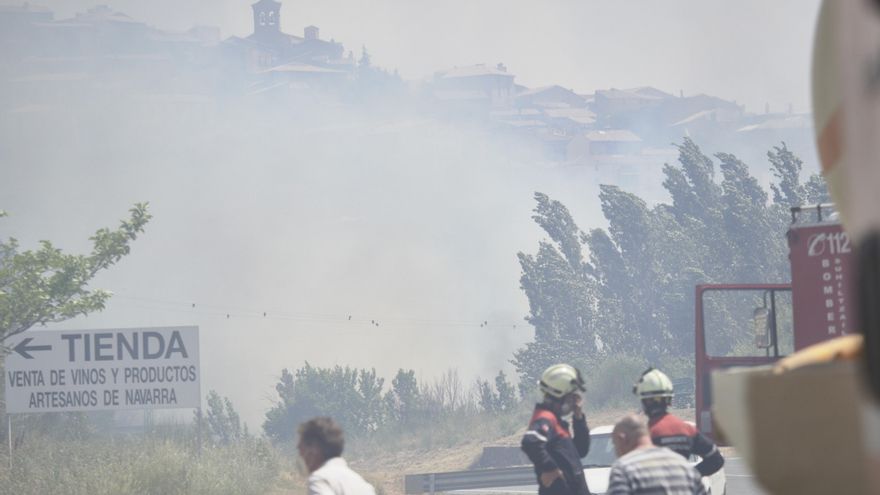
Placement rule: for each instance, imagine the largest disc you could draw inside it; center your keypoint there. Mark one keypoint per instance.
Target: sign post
(199, 432)
(99, 370)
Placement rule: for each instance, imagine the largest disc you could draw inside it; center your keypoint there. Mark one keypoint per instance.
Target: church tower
(267, 18)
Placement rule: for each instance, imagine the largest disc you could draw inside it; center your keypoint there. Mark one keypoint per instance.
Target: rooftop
(103, 13)
(798, 121)
(579, 115)
(473, 71)
(303, 68)
(25, 7)
(702, 115)
(460, 94)
(644, 93)
(618, 135)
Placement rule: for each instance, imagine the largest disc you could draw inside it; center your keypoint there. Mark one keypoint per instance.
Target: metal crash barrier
(415, 484)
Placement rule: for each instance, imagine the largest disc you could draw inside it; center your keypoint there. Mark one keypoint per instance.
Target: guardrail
(415, 484)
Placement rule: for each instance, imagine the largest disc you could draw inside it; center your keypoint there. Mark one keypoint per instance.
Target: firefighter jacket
(550, 446)
(670, 431)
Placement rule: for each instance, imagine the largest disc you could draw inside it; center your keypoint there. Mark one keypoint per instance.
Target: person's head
(655, 390)
(630, 433)
(560, 384)
(320, 439)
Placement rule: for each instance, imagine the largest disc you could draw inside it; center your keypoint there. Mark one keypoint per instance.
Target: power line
(237, 312)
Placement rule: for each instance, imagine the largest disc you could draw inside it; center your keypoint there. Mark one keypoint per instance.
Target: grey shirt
(654, 471)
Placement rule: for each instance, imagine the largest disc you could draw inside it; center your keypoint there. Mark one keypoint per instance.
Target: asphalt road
(739, 479)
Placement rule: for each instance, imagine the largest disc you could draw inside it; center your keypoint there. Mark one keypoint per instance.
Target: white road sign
(91, 370)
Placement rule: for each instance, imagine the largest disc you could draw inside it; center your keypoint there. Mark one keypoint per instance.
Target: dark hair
(324, 433)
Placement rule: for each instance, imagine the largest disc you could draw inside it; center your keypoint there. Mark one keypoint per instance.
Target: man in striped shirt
(645, 469)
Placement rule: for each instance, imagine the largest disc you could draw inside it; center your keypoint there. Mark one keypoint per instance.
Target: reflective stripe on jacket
(672, 432)
(550, 446)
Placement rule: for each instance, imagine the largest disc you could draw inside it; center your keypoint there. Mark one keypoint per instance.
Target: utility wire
(229, 312)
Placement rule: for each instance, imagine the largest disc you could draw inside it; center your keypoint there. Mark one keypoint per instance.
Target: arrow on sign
(24, 349)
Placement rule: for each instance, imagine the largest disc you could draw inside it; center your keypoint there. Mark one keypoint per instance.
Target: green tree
(224, 423)
(786, 167)
(817, 190)
(561, 293)
(633, 295)
(500, 399)
(404, 399)
(752, 227)
(505, 392)
(47, 285)
(789, 191)
(365, 60)
(351, 396)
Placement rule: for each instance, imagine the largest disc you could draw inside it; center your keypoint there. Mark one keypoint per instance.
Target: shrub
(610, 381)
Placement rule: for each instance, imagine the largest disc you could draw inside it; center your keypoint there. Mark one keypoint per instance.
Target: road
(739, 479)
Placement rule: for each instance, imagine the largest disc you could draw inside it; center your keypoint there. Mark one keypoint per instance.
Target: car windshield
(601, 451)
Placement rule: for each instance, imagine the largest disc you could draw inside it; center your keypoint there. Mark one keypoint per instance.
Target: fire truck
(757, 324)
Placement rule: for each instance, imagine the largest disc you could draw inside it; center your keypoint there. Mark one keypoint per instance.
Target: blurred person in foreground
(643, 468)
(655, 390)
(320, 446)
(555, 453)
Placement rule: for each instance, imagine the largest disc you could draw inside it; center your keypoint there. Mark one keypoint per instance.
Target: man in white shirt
(320, 445)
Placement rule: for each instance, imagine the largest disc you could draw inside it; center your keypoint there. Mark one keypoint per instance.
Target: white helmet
(653, 383)
(560, 380)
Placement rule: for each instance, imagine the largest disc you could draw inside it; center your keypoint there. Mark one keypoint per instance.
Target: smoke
(371, 237)
(310, 215)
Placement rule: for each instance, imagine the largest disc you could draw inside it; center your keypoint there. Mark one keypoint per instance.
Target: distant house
(550, 97)
(473, 88)
(12, 16)
(570, 120)
(505, 114)
(756, 134)
(556, 114)
(591, 144)
(101, 34)
(612, 101)
(779, 122)
(620, 157)
(680, 111)
(18, 24)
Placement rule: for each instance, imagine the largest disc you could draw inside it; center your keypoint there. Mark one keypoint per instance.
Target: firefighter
(549, 443)
(655, 390)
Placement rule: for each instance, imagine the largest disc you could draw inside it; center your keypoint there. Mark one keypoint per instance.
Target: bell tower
(267, 18)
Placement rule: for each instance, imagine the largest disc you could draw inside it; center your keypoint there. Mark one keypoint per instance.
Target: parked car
(597, 468)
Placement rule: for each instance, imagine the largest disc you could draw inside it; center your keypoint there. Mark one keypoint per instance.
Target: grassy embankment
(153, 464)
(166, 462)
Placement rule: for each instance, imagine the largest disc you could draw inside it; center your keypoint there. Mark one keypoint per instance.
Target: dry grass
(386, 468)
(98, 466)
(161, 465)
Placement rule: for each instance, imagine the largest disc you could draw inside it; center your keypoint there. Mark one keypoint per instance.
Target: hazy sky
(752, 51)
(416, 223)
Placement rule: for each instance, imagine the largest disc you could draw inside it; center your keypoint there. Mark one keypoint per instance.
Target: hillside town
(621, 133)
(330, 247)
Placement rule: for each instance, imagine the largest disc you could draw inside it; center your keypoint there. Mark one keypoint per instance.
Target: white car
(597, 464)
(597, 469)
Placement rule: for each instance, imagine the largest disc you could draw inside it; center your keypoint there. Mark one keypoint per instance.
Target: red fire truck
(756, 324)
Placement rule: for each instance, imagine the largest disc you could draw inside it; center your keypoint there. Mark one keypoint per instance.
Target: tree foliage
(633, 292)
(358, 400)
(47, 285)
(501, 399)
(224, 424)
